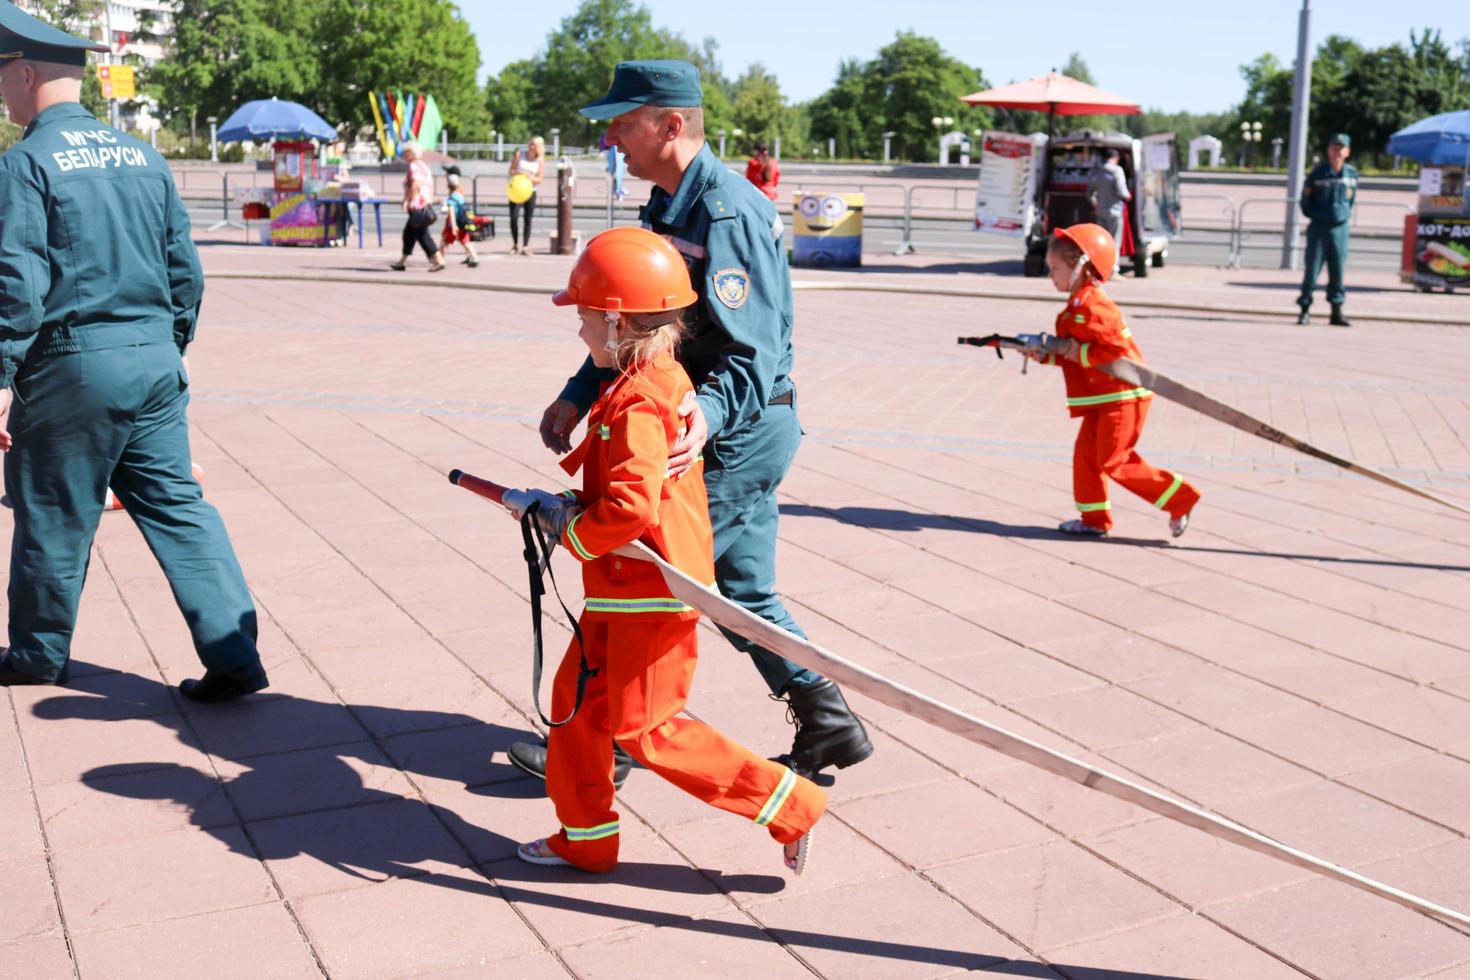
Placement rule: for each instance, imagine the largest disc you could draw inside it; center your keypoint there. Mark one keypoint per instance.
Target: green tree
(325, 54)
(759, 108)
(421, 46)
(911, 81)
(840, 113)
(509, 99)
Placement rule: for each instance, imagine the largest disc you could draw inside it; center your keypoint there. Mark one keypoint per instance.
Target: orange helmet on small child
(1097, 244)
(628, 270)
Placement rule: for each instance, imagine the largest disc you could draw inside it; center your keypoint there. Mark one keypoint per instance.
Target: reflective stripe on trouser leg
(1118, 433)
(648, 685)
(1088, 485)
(744, 514)
(579, 759)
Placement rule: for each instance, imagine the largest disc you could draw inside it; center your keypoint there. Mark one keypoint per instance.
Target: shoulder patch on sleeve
(732, 287)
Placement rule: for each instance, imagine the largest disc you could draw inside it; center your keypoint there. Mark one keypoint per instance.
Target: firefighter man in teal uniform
(737, 350)
(1327, 200)
(100, 285)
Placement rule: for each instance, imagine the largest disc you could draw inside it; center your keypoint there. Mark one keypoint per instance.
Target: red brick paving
(1299, 661)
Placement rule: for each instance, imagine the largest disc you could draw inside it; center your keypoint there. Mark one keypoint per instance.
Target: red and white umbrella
(1056, 95)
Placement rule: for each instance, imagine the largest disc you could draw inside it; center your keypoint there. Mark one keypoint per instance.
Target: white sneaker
(1178, 525)
(1078, 526)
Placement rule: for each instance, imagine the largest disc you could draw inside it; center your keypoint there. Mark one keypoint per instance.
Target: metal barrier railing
(1242, 232)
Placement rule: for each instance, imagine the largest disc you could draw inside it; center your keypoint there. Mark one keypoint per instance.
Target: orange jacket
(628, 497)
(755, 172)
(1096, 323)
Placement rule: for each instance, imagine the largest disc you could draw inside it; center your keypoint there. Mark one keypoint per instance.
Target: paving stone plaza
(1298, 662)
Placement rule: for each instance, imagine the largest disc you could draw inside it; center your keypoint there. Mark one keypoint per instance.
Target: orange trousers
(644, 670)
(1105, 448)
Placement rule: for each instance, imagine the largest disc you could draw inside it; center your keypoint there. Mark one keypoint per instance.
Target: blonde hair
(410, 146)
(644, 336)
(540, 145)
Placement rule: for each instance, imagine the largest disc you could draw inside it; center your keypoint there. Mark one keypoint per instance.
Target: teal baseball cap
(1340, 139)
(32, 39)
(640, 83)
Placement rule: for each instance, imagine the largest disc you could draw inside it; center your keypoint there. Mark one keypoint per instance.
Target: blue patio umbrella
(266, 119)
(1438, 141)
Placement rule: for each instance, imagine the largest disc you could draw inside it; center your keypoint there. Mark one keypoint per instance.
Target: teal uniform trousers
(1327, 200)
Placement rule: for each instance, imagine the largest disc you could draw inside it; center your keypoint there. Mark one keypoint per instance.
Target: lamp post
(213, 138)
(1276, 144)
(1250, 132)
(940, 124)
(888, 144)
(555, 144)
(722, 144)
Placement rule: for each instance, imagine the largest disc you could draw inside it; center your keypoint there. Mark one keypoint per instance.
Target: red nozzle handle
(486, 489)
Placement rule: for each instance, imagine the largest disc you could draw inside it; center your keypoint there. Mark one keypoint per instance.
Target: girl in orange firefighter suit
(1091, 332)
(629, 286)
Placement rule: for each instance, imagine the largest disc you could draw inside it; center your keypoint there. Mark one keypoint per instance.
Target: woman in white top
(531, 161)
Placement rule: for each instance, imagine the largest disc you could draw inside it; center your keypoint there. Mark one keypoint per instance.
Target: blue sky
(1179, 55)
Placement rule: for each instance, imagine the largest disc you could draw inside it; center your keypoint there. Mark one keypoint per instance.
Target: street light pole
(1301, 100)
(888, 144)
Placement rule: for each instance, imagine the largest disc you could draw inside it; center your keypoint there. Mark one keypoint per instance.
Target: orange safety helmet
(628, 270)
(1097, 244)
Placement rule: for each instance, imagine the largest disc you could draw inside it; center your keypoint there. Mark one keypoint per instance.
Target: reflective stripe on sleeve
(1089, 508)
(778, 797)
(604, 432)
(657, 604)
(1112, 396)
(1082, 357)
(576, 542)
(591, 833)
(1168, 494)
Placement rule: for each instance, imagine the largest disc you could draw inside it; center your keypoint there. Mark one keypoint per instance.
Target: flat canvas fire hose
(1130, 372)
(915, 704)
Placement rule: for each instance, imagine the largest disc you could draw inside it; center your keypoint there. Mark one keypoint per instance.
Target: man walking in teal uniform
(100, 286)
(1327, 201)
(737, 350)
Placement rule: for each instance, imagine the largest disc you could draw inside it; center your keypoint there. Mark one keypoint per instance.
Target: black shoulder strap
(536, 548)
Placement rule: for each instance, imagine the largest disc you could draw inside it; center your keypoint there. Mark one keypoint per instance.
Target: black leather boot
(1303, 318)
(217, 686)
(827, 732)
(530, 757)
(1338, 319)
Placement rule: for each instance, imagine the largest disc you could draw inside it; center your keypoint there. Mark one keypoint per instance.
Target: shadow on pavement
(885, 519)
(1296, 287)
(406, 833)
(984, 267)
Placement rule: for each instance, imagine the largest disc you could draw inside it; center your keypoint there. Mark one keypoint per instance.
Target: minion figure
(829, 230)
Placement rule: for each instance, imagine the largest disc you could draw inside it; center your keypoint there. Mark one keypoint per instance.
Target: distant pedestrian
(529, 160)
(617, 168)
(458, 227)
(763, 171)
(418, 205)
(1327, 201)
(1108, 190)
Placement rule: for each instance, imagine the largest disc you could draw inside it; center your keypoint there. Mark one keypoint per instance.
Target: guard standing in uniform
(100, 286)
(737, 351)
(1327, 201)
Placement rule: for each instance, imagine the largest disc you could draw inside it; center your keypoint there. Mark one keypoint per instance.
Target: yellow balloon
(520, 189)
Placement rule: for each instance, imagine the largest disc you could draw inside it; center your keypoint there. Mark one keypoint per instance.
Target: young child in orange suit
(629, 287)
(1090, 332)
